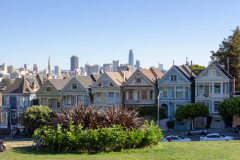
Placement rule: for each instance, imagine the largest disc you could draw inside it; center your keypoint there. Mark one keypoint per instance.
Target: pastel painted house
(176, 88)
(212, 86)
(108, 89)
(141, 88)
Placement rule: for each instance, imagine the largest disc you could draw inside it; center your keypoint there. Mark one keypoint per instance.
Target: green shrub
(112, 138)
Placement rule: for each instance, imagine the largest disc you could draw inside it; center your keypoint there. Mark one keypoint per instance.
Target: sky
(100, 31)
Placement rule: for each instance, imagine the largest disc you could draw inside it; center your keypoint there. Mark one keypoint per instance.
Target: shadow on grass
(45, 151)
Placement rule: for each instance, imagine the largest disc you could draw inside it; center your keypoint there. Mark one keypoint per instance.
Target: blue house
(176, 88)
(15, 100)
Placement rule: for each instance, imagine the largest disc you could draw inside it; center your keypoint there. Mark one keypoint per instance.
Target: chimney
(34, 87)
(191, 68)
(124, 78)
(227, 64)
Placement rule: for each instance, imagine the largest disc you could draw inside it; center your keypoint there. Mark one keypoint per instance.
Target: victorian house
(16, 99)
(50, 93)
(176, 88)
(212, 86)
(78, 90)
(108, 89)
(141, 88)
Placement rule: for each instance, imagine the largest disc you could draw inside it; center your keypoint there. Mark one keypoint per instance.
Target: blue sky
(99, 31)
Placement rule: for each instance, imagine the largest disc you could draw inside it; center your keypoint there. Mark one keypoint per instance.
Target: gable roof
(118, 77)
(223, 70)
(59, 83)
(186, 71)
(86, 81)
(152, 74)
(95, 77)
(24, 84)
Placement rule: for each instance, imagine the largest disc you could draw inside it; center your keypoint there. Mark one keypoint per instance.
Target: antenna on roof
(173, 62)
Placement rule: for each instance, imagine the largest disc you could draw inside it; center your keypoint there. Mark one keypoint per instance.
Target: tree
(196, 68)
(150, 112)
(6, 82)
(191, 111)
(230, 47)
(228, 108)
(35, 117)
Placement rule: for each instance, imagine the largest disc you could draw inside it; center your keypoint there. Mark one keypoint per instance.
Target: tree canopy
(230, 47)
(196, 68)
(6, 82)
(150, 112)
(35, 117)
(228, 108)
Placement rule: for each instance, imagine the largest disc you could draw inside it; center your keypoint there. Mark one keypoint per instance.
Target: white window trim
(74, 88)
(163, 91)
(199, 89)
(173, 77)
(7, 97)
(100, 100)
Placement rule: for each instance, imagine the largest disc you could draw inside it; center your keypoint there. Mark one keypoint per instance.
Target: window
(138, 94)
(164, 91)
(74, 86)
(151, 95)
(179, 92)
(58, 103)
(21, 101)
(200, 89)
(138, 80)
(85, 100)
(26, 101)
(105, 83)
(3, 119)
(186, 92)
(117, 98)
(49, 89)
(110, 97)
(216, 106)
(99, 98)
(217, 88)
(130, 94)
(44, 101)
(173, 77)
(212, 72)
(68, 100)
(14, 115)
(7, 101)
(144, 94)
(224, 85)
(80, 99)
(49, 103)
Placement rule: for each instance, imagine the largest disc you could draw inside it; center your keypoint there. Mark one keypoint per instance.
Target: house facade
(141, 88)
(16, 99)
(212, 86)
(108, 89)
(176, 88)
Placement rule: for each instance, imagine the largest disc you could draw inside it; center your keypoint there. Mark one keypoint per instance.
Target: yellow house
(108, 89)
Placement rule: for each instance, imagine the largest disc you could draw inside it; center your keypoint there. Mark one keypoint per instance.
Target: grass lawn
(174, 150)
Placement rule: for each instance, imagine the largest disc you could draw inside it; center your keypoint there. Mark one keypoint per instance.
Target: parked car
(197, 131)
(176, 139)
(216, 137)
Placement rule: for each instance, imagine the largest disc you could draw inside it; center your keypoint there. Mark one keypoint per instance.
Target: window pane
(49, 103)
(74, 86)
(130, 94)
(110, 97)
(201, 89)
(98, 97)
(179, 92)
(144, 94)
(48, 89)
(3, 119)
(44, 101)
(217, 88)
(58, 103)
(164, 91)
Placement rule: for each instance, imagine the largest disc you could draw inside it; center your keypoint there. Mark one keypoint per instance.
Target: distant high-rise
(11, 69)
(26, 66)
(107, 67)
(95, 68)
(49, 66)
(4, 68)
(115, 64)
(35, 68)
(138, 64)
(58, 71)
(74, 63)
(131, 58)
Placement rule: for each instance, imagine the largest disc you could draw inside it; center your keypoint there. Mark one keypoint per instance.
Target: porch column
(76, 100)
(196, 90)
(83, 99)
(175, 92)
(213, 88)
(114, 97)
(221, 87)
(47, 102)
(184, 91)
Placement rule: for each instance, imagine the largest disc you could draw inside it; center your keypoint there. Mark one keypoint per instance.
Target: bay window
(179, 92)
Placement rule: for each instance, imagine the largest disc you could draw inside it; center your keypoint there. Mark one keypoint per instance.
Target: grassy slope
(177, 150)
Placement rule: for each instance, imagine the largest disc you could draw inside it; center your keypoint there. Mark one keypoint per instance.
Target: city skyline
(100, 32)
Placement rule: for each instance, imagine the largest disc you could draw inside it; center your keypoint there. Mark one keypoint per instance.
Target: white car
(176, 139)
(216, 137)
(197, 131)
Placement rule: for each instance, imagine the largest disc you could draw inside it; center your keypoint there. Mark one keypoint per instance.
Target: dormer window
(173, 77)
(212, 72)
(200, 89)
(105, 83)
(74, 86)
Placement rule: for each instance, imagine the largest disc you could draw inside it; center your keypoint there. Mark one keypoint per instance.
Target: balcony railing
(177, 99)
(139, 101)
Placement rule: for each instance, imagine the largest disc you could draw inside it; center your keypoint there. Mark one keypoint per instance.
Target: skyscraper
(49, 66)
(58, 71)
(138, 64)
(74, 63)
(26, 66)
(131, 58)
(35, 68)
(115, 64)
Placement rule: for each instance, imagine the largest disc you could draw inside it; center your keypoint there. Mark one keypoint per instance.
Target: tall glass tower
(74, 63)
(131, 58)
